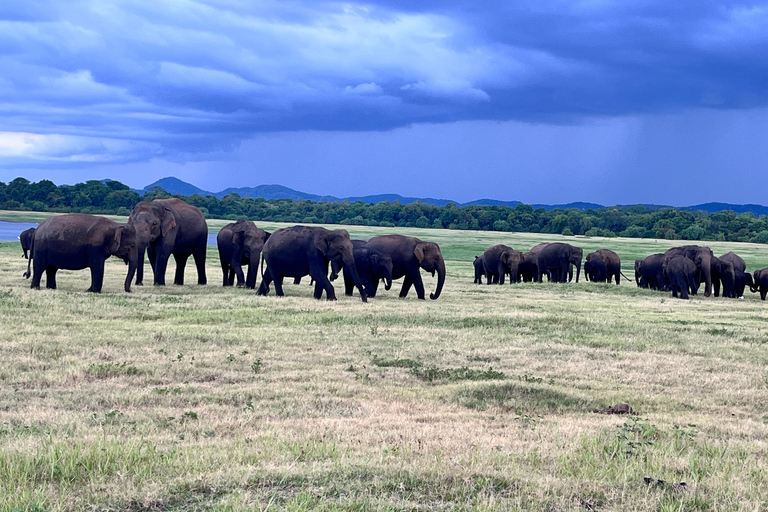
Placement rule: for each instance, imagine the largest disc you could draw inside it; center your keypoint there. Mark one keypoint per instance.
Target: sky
(540, 101)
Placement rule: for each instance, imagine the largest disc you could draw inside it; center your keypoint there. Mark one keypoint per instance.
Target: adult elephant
(301, 250)
(760, 278)
(610, 260)
(76, 241)
(701, 256)
(26, 237)
(479, 265)
(408, 255)
(723, 273)
(165, 227)
(557, 258)
(240, 244)
(500, 260)
(735, 260)
(680, 272)
(649, 272)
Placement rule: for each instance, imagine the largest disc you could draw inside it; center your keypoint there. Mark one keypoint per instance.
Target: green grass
(205, 398)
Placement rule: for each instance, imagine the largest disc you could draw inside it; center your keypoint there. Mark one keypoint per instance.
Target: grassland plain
(205, 398)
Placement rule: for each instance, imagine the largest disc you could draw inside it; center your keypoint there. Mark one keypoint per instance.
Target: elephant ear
(115, 245)
(322, 243)
(237, 238)
(169, 222)
(419, 252)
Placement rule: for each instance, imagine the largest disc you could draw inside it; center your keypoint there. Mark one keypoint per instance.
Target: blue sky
(538, 101)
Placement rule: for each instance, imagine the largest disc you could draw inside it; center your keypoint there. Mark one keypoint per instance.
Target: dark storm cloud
(124, 81)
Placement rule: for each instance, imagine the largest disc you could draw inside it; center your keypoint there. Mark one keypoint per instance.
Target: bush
(501, 225)
(760, 238)
(567, 231)
(422, 222)
(693, 232)
(634, 232)
(599, 232)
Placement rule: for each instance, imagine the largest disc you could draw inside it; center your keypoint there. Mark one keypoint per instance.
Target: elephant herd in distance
(166, 227)
(680, 270)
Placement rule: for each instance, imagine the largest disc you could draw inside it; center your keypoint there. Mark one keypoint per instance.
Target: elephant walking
(409, 254)
(701, 256)
(741, 281)
(76, 241)
(500, 260)
(557, 258)
(301, 250)
(240, 244)
(479, 266)
(165, 227)
(680, 272)
(649, 272)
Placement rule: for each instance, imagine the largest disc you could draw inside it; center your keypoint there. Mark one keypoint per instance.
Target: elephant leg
(279, 285)
(349, 284)
(237, 267)
(763, 291)
(50, 277)
(181, 265)
(488, 277)
(225, 272)
(152, 257)
(297, 280)
(97, 275)
(231, 277)
(266, 279)
(407, 283)
(418, 284)
(502, 273)
(318, 291)
(37, 271)
(374, 287)
(320, 274)
(250, 278)
(199, 257)
(140, 269)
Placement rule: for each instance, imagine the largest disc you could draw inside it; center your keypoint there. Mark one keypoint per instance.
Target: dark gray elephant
(170, 226)
(303, 250)
(240, 244)
(372, 266)
(741, 281)
(701, 256)
(760, 278)
(479, 266)
(595, 270)
(610, 260)
(680, 273)
(409, 254)
(557, 258)
(649, 272)
(735, 260)
(528, 267)
(76, 241)
(26, 238)
(723, 273)
(500, 260)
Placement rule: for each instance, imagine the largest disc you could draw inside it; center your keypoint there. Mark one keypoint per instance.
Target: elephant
(76, 241)
(165, 227)
(701, 256)
(649, 272)
(240, 243)
(741, 281)
(529, 267)
(408, 255)
(558, 257)
(723, 272)
(26, 237)
(479, 269)
(372, 267)
(500, 260)
(760, 278)
(596, 270)
(301, 250)
(610, 260)
(735, 260)
(680, 272)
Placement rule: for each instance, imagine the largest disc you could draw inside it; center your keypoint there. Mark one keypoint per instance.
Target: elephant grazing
(680, 272)
(240, 244)
(408, 255)
(165, 227)
(76, 241)
(500, 260)
(302, 250)
(557, 259)
(604, 265)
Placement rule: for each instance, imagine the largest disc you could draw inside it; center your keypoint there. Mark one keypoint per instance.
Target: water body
(9, 231)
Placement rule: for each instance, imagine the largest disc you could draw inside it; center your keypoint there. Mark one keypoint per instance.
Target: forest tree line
(113, 197)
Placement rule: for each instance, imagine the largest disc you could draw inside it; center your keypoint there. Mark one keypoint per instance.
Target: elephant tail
(625, 277)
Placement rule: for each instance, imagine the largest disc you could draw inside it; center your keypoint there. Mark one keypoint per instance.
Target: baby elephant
(77, 241)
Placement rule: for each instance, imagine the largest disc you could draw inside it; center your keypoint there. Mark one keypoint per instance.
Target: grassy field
(205, 398)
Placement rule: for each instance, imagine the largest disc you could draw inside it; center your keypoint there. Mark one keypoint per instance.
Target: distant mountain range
(176, 186)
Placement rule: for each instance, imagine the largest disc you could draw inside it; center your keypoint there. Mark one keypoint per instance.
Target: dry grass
(199, 398)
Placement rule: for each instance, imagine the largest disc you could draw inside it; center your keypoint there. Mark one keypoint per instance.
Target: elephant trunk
(578, 270)
(349, 264)
(440, 280)
(335, 269)
(253, 270)
(133, 260)
(388, 280)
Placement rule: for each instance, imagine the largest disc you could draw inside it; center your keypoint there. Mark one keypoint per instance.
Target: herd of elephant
(680, 270)
(166, 227)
